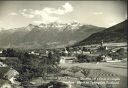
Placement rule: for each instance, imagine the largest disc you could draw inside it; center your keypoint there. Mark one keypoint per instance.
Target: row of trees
(85, 58)
(9, 53)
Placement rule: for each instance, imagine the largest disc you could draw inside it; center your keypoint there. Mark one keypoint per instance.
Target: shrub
(54, 84)
(82, 58)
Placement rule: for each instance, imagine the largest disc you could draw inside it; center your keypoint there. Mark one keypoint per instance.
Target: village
(69, 60)
(63, 44)
(91, 53)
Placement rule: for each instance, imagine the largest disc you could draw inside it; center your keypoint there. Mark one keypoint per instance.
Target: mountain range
(46, 35)
(116, 33)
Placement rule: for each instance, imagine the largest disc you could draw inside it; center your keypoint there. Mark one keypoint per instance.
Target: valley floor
(117, 68)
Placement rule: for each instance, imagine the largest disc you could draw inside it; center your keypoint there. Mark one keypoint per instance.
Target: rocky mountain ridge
(43, 35)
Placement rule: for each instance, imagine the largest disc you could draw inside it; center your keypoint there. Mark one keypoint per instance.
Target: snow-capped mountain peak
(61, 26)
(30, 27)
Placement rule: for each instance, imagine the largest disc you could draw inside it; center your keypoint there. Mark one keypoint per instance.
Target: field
(118, 68)
(105, 70)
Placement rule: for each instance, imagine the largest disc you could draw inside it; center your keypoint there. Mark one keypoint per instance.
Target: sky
(14, 14)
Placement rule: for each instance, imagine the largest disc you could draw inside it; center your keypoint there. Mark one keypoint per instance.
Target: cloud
(1, 22)
(68, 7)
(97, 13)
(27, 13)
(46, 14)
(13, 14)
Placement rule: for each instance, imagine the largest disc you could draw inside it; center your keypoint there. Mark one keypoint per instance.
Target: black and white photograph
(63, 44)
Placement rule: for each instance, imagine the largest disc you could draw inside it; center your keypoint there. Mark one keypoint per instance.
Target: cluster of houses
(8, 78)
(69, 54)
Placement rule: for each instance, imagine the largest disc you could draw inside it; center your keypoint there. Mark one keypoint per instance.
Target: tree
(54, 84)
(99, 58)
(9, 53)
(82, 58)
(120, 51)
(30, 66)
